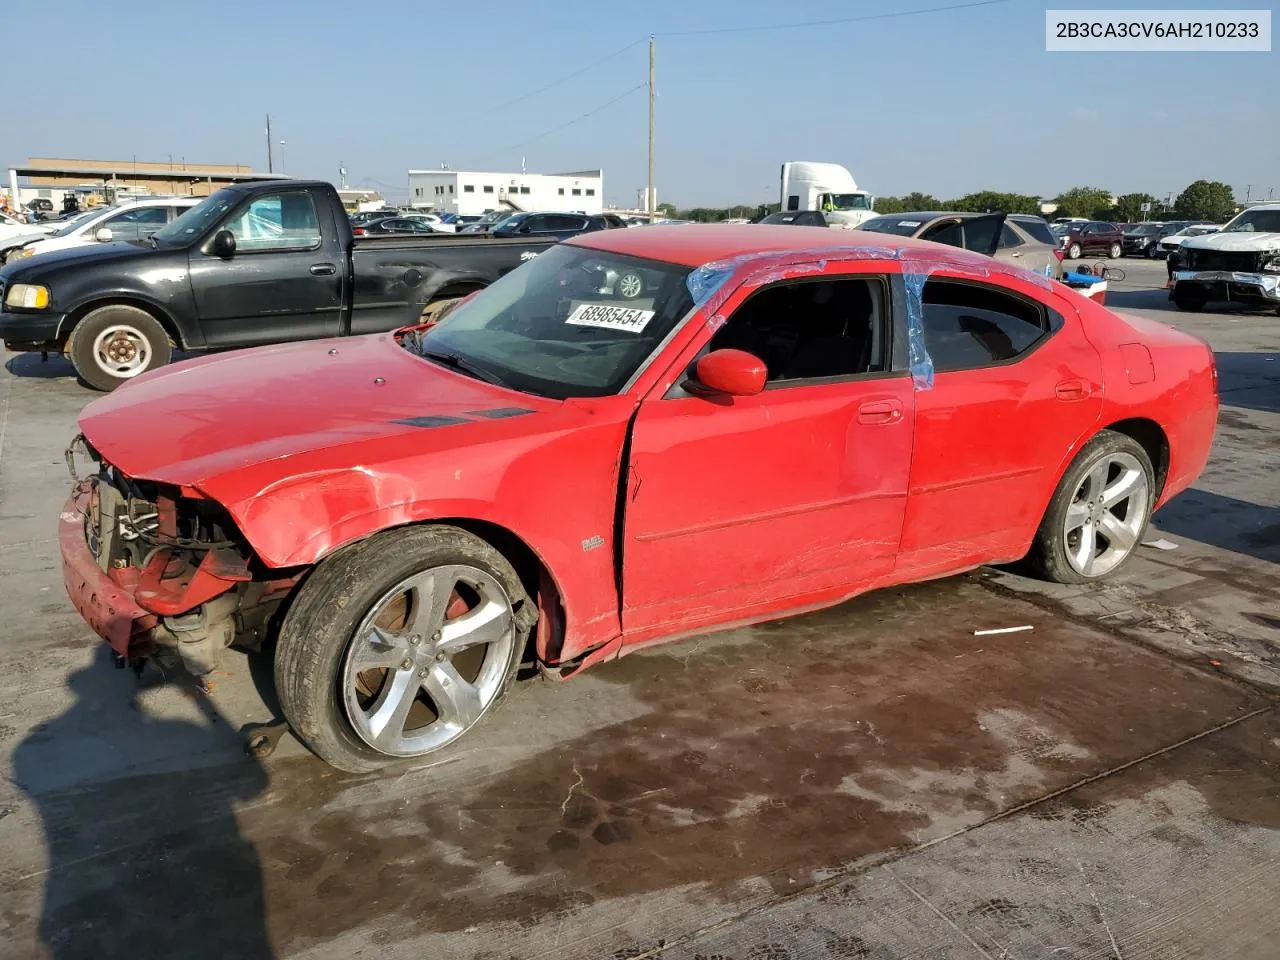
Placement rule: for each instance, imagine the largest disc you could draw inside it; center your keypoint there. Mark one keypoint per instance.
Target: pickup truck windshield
(572, 322)
(198, 219)
(1255, 221)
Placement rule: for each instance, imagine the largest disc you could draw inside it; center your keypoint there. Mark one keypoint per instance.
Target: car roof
(695, 244)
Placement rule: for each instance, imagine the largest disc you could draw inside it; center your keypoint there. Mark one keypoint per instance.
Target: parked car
(1024, 241)
(488, 221)
(364, 216)
(259, 262)
(414, 506)
(1172, 242)
(1094, 238)
(558, 225)
(130, 221)
(12, 228)
(388, 225)
(1143, 239)
(435, 222)
(12, 244)
(1239, 263)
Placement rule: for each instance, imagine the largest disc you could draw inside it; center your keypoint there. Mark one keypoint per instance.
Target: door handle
(1073, 389)
(323, 269)
(880, 411)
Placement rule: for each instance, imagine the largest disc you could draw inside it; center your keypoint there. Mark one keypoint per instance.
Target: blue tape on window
(709, 284)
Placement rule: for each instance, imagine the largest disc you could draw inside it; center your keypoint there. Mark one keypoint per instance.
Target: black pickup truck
(260, 262)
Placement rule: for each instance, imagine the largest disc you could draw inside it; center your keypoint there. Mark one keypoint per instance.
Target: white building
(472, 194)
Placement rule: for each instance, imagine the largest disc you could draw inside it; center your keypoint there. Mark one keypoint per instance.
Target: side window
(136, 223)
(948, 233)
(563, 222)
(277, 221)
(968, 325)
(1009, 238)
(811, 329)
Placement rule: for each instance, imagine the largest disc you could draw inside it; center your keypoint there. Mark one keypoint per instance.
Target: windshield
(1145, 230)
(572, 322)
(76, 222)
(845, 201)
(493, 216)
(1255, 221)
(199, 218)
(899, 225)
(1061, 229)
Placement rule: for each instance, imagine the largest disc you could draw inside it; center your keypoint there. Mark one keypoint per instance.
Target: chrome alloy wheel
(1107, 513)
(428, 660)
(630, 286)
(122, 351)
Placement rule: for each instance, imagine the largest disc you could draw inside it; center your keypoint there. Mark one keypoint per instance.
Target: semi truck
(826, 187)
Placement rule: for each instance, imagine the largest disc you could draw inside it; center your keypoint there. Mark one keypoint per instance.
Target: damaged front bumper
(1263, 288)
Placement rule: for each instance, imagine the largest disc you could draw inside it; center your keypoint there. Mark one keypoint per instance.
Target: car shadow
(1249, 380)
(1237, 525)
(33, 366)
(145, 855)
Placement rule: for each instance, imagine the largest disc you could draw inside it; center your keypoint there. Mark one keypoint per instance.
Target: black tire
(1115, 251)
(1048, 556)
(329, 607)
(84, 356)
(1073, 252)
(1189, 304)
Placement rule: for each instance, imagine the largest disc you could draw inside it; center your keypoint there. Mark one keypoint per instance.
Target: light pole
(282, 170)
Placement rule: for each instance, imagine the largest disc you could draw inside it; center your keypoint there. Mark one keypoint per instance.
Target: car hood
(1235, 242)
(34, 268)
(197, 421)
(22, 239)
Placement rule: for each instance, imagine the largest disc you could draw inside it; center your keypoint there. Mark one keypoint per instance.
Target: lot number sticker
(610, 317)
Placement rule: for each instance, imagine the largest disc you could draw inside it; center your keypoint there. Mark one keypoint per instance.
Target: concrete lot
(869, 781)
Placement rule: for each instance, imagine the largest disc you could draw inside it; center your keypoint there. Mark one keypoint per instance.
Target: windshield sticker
(909, 223)
(610, 317)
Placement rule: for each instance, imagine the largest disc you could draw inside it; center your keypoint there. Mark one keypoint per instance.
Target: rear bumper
(106, 606)
(1261, 288)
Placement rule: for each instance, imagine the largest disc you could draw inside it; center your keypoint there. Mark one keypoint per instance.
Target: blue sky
(947, 103)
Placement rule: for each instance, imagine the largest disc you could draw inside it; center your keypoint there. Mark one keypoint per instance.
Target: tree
(1128, 208)
(989, 201)
(911, 203)
(1206, 200)
(1092, 202)
(667, 209)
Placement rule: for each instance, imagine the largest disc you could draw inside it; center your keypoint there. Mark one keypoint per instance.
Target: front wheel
(399, 645)
(1115, 251)
(114, 344)
(1189, 304)
(1098, 513)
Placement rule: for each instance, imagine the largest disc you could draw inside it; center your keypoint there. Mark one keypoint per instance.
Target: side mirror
(102, 235)
(732, 372)
(223, 245)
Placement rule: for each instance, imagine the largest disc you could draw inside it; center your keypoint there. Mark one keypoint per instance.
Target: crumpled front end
(149, 565)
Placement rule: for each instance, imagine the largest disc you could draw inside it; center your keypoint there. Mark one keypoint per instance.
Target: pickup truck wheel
(1098, 514)
(1073, 252)
(397, 646)
(116, 343)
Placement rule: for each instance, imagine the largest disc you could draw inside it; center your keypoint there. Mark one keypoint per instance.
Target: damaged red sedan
(636, 436)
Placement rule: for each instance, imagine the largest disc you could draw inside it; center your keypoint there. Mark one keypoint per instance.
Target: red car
(783, 419)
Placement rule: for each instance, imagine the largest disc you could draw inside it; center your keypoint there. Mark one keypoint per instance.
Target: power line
(555, 83)
(829, 23)
(547, 133)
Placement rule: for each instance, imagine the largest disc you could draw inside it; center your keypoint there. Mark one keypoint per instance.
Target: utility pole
(650, 206)
(1248, 191)
(270, 167)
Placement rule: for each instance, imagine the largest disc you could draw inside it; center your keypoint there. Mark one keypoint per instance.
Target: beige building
(53, 176)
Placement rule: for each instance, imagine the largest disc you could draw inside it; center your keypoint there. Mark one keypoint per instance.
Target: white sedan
(1172, 242)
(134, 220)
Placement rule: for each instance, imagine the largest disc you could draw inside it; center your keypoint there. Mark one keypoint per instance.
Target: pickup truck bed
(256, 263)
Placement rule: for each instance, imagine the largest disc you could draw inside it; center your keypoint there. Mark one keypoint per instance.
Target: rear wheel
(397, 646)
(1098, 514)
(1190, 304)
(114, 344)
(1115, 251)
(1073, 252)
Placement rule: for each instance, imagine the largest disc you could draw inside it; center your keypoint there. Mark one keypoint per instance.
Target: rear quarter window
(1039, 230)
(973, 325)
